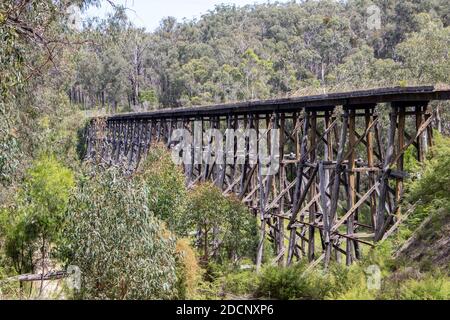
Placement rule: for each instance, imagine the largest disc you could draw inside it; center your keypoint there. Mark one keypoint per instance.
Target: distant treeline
(259, 51)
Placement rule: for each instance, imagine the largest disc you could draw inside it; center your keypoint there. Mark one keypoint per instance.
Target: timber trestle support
(340, 176)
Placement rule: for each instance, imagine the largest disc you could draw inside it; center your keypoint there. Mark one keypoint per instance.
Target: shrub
(430, 288)
(432, 189)
(37, 219)
(188, 270)
(225, 228)
(149, 96)
(9, 290)
(9, 153)
(418, 287)
(350, 283)
(166, 188)
(48, 187)
(381, 256)
(241, 283)
(338, 283)
(20, 242)
(122, 250)
(292, 282)
(435, 178)
(357, 292)
(209, 290)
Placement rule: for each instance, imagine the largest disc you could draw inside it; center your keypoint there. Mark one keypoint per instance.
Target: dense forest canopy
(259, 51)
(57, 210)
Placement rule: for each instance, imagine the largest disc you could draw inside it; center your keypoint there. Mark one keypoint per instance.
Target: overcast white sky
(148, 13)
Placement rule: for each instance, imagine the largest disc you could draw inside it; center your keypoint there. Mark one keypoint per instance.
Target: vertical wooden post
(351, 185)
(296, 124)
(198, 147)
(169, 134)
(224, 167)
(119, 142)
(207, 151)
(114, 142)
(158, 130)
(298, 188)
(281, 185)
(400, 144)
(234, 167)
(189, 167)
(131, 142)
(337, 176)
(324, 185)
(356, 215)
(419, 142)
(380, 220)
(246, 155)
(103, 138)
(139, 142)
(370, 163)
(127, 125)
(430, 136)
(328, 154)
(325, 212)
(429, 133)
(150, 137)
(313, 189)
(147, 137)
(262, 236)
(270, 124)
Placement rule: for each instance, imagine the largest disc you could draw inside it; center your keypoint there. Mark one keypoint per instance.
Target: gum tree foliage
(256, 73)
(421, 58)
(425, 54)
(256, 51)
(37, 219)
(362, 67)
(121, 248)
(110, 71)
(148, 96)
(33, 187)
(225, 228)
(433, 186)
(11, 75)
(166, 184)
(33, 70)
(34, 66)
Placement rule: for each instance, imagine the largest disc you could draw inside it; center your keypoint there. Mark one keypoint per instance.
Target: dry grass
(190, 265)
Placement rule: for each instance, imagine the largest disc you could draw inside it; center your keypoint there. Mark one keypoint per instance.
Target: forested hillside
(263, 51)
(57, 210)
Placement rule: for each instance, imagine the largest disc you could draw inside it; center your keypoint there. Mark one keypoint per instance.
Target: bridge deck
(354, 99)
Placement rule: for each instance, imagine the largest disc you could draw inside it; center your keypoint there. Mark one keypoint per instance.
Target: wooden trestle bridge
(340, 180)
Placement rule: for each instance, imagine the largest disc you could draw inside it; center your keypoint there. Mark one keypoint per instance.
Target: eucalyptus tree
(226, 231)
(123, 251)
(32, 34)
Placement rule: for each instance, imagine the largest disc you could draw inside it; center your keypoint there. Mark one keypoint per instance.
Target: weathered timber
(340, 177)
